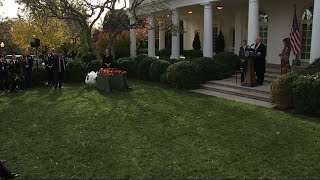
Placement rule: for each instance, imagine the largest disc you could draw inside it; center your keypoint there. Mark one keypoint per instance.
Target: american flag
(295, 35)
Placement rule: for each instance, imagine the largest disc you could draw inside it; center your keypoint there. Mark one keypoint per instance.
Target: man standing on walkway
(260, 61)
(49, 66)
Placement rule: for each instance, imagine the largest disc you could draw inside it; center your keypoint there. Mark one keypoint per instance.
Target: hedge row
(299, 91)
(181, 74)
(76, 71)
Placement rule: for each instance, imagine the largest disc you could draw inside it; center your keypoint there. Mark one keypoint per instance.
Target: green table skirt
(107, 84)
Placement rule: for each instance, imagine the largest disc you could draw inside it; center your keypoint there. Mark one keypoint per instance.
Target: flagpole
(297, 61)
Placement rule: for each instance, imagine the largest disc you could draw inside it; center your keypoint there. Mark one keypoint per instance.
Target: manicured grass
(152, 132)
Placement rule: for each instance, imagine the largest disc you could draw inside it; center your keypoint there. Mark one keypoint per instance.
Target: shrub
(184, 74)
(163, 78)
(94, 66)
(88, 57)
(313, 68)
(141, 57)
(196, 42)
(143, 68)
(172, 61)
(191, 54)
(39, 76)
(75, 71)
(306, 96)
(228, 63)
(281, 91)
(142, 51)
(164, 53)
(210, 69)
(128, 64)
(220, 42)
(158, 68)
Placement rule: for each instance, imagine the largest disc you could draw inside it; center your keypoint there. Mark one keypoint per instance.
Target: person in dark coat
(107, 60)
(260, 61)
(59, 66)
(15, 74)
(49, 66)
(27, 71)
(6, 173)
(242, 56)
(3, 73)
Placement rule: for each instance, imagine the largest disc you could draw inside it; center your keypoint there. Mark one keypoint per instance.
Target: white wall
(279, 26)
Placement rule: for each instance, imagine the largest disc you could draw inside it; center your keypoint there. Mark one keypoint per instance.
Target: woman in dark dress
(285, 55)
(107, 60)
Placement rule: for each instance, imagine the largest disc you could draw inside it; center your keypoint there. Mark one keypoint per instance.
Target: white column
(175, 53)
(162, 38)
(133, 39)
(238, 29)
(208, 31)
(253, 21)
(151, 38)
(315, 42)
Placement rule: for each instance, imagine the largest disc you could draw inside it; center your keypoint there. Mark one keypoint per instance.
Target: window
(263, 22)
(306, 33)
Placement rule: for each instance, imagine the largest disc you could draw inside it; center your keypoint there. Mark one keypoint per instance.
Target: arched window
(263, 22)
(306, 33)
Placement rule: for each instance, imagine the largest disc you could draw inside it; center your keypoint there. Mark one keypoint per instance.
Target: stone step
(272, 75)
(242, 92)
(267, 79)
(235, 98)
(231, 83)
(273, 71)
(274, 66)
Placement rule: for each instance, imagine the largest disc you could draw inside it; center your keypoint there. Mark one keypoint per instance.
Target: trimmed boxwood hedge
(143, 68)
(299, 90)
(306, 94)
(157, 69)
(228, 63)
(184, 75)
(191, 54)
(94, 65)
(76, 71)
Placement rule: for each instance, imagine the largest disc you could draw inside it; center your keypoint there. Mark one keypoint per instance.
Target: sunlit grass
(152, 132)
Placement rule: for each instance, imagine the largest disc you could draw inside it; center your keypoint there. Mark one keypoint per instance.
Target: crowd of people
(16, 74)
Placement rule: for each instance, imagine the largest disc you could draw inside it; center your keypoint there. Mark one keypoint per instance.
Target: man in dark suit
(260, 61)
(49, 66)
(242, 57)
(59, 66)
(27, 71)
(3, 73)
(15, 74)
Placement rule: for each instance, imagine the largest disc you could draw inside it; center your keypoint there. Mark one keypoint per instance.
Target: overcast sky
(10, 9)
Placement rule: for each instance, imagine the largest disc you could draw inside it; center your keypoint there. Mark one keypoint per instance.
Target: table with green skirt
(108, 84)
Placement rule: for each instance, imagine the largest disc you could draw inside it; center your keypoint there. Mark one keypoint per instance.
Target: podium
(250, 76)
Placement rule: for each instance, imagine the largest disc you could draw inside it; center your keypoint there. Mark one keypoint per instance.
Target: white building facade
(239, 20)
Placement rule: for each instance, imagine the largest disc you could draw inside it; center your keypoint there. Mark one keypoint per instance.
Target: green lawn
(152, 132)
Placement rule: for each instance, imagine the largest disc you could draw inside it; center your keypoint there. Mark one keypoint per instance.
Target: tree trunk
(111, 47)
(91, 44)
